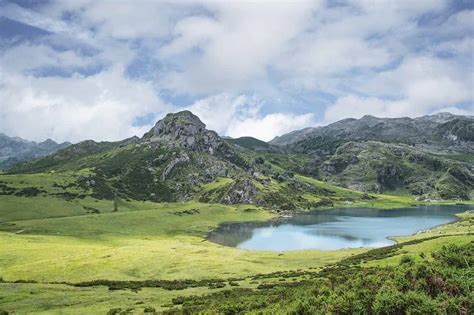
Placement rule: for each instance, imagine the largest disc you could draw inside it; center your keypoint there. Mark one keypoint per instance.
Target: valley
(121, 227)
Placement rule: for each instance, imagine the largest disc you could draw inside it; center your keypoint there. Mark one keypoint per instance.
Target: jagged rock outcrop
(240, 191)
(185, 130)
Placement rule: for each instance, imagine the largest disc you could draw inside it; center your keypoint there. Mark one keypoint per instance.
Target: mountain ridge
(352, 129)
(16, 149)
(179, 160)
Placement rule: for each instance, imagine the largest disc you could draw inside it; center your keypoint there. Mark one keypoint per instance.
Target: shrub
(149, 309)
(389, 301)
(114, 311)
(178, 300)
(406, 260)
(456, 256)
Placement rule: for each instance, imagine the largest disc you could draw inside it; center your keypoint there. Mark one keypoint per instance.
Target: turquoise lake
(334, 229)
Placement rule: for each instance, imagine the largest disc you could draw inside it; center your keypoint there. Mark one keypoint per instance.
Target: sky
(73, 70)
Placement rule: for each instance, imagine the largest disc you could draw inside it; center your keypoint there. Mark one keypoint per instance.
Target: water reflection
(334, 229)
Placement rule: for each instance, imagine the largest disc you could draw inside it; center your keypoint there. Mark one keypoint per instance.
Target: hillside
(14, 149)
(252, 143)
(180, 160)
(430, 157)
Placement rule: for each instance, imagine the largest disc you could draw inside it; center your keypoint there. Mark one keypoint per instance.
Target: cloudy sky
(106, 70)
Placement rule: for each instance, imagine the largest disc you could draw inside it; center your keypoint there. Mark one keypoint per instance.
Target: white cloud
(269, 126)
(238, 116)
(458, 23)
(118, 19)
(101, 106)
(235, 44)
(387, 58)
(25, 57)
(43, 21)
(355, 107)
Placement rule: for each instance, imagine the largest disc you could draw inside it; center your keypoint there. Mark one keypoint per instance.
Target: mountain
(179, 160)
(14, 149)
(252, 143)
(174, 161)
(442, 130)
(292, 137)
(430, 156)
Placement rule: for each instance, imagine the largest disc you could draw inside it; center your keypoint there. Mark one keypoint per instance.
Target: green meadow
(51, 244)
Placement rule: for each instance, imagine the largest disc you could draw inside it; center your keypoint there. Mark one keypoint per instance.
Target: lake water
(334, 229)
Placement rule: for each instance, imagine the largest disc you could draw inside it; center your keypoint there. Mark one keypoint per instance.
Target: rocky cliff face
(169, 163)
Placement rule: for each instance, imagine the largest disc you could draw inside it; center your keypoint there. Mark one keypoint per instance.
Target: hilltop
(443, 130)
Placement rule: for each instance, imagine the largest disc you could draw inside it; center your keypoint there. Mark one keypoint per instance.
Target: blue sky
(105, 70)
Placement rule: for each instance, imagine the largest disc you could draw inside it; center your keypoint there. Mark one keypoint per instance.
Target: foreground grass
(442, 285)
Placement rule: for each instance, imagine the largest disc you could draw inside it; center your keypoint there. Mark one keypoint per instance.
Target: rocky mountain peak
(48, 143)
(186, 130)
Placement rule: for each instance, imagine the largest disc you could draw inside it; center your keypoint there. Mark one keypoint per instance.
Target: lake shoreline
(275, 224)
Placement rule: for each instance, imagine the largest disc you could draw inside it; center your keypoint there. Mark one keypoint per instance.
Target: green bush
(406, 260)
(439, 286)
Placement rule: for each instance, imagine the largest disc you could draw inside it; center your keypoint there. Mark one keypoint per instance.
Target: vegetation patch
(443, 285)
(187, 212)
(164, 284)
(29, 192)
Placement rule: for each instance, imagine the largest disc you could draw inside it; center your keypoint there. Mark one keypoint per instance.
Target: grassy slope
(144, 244)
(58, 240)
(459, 232)
(57, 299)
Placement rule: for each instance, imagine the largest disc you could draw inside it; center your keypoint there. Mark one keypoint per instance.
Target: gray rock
(184, 158)
(241, 191)
(185, 130)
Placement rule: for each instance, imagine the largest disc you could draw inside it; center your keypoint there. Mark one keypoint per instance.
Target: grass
(458, 233)
(150, 242)
(142, 244)
(48, 239)
(64, 299)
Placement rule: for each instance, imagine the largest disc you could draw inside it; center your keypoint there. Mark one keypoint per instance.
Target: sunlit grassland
(142, 244)
(49, 239)
(155, 243)
(63, 299)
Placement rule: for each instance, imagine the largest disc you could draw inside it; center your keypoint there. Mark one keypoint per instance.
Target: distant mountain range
(443, 129)
(14, 149)
(431, 157)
